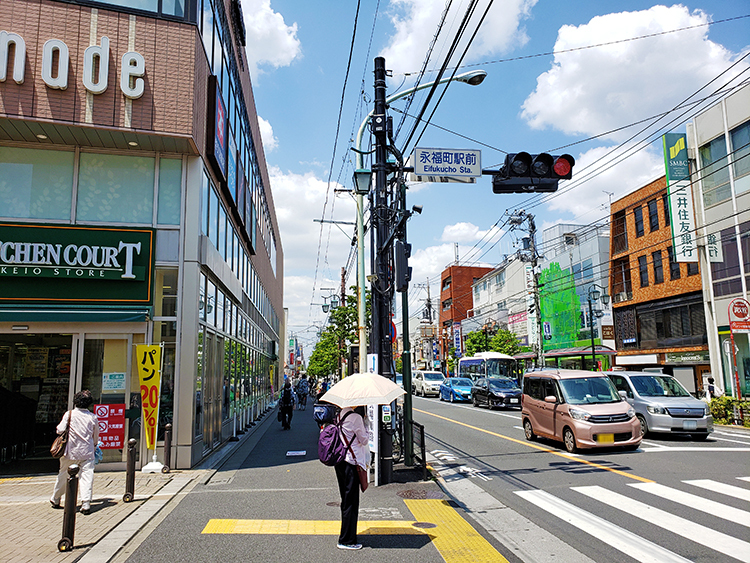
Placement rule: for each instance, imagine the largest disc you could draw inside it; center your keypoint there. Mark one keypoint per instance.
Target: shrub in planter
(723, 410)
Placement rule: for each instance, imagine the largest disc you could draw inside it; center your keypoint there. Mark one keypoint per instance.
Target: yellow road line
(13, 479)
(541, 448)
(451, 535)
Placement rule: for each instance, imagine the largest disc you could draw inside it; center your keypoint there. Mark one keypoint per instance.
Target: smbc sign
(72, 263)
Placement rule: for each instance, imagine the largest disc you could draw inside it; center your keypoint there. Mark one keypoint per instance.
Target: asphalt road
(674, 499)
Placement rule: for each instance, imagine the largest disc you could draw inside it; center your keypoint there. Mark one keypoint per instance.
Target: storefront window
(36, 184)
(115, 188)
(166, 332)
(170, 184)
(714, 172)
(165, 300)
(198, 422)
(742, 352)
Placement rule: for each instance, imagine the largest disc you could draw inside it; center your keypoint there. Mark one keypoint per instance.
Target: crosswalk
(640, 503)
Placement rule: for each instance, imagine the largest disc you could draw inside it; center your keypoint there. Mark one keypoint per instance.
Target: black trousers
(346, 475)
(286, 416)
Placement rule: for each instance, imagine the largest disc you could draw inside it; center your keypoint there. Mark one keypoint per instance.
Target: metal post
(167, 448)
(591, 326)
(408, 444)
(69, 516)
(130, 472)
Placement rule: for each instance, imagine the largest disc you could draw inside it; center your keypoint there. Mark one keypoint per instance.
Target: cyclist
(303, 388)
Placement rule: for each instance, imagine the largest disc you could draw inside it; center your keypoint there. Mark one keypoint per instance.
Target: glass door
(211, 390)
(106, 373)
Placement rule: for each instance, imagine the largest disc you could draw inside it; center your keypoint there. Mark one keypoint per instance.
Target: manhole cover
(420, 494)
(423, 525)
(334, 503)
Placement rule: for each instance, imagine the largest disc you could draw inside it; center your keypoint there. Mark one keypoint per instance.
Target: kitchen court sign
(73, 263)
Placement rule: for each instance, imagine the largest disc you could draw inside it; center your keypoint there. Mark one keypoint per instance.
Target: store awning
(575, 351)
(74, 314)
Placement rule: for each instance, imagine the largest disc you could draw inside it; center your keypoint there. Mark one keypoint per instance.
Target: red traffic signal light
(563, 167)
(524, 173)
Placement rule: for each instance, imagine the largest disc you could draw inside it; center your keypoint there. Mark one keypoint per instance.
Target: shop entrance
(212, 390)
(35, 390)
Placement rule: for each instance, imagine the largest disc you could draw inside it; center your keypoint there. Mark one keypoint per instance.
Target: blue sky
(299, 52)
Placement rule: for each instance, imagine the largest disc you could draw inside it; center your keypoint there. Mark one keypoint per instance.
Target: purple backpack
(331, 445)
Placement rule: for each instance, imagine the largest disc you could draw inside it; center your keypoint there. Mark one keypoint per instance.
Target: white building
(719, 148)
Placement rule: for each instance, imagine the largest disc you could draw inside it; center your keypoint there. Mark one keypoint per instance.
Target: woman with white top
(355, 432)
(83, 435)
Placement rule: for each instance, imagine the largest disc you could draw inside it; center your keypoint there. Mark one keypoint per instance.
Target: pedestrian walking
(347, 473)
(303, 388)
(83, 435)
(286, 406)
(713, 390)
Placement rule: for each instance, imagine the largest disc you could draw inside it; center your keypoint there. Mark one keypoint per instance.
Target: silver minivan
(662, 404)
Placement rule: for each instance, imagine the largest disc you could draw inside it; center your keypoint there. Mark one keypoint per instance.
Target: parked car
(400, 380)
(456, 389)
(662, 404)
(580, 408)
(496, 392)
(426, 382)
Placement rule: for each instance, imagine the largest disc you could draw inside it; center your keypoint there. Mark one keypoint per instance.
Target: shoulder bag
(58, 446)
(364, 477)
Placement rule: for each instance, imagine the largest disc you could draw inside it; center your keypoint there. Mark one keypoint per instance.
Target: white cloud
(270, 41)
(591, 91)
(589, 200)
(270, 142)
(415, 23)
(299, 200)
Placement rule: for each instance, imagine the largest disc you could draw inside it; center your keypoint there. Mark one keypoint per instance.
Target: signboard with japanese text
(682, 216)
(714, 248)
(739, 316)
(457, 340)
(113, 383)
(232, 168)
(217, 128)
(531, 313)
(111, 425)
(463, 163)
(148, 359)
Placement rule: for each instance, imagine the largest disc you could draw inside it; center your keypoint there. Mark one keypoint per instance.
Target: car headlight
(706, 410)
(631, 413)
(579, 414)
(655, 409)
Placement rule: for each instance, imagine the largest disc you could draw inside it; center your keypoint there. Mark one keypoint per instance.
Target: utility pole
(381, 287)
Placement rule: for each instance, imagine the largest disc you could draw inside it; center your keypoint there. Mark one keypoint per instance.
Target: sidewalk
(254, 492)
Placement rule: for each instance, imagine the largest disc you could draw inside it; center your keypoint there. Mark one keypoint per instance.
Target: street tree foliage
(335, 339)
(503, 341)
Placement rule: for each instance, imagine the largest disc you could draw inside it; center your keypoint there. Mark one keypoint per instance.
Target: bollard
(130, 472)
(69, 515)
(167, 448)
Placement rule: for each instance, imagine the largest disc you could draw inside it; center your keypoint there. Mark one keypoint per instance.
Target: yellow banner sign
(149, 373)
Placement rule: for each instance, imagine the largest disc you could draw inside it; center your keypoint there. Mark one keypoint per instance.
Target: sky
(601, 81)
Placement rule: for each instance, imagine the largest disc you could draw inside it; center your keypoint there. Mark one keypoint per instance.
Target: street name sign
(459, 163)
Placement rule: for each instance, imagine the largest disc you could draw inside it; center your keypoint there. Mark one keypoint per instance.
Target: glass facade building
(135, 208)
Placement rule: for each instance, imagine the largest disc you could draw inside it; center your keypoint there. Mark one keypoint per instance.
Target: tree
(505, 342)
(476, 341)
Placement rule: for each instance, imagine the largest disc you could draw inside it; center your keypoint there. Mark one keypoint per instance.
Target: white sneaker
(349, 546)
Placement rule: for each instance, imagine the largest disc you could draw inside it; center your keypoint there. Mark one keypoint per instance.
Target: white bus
(487, 364)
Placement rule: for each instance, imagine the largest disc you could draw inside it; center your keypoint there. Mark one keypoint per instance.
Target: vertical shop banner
(111, 425)
(457, 340)
(531, 312)
(681, 214)
(149, 374)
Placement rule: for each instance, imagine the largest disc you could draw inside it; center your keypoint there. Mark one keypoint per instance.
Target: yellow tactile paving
(453, 537)
(14, 479)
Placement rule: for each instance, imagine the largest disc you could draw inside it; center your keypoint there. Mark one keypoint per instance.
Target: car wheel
(440, 396)
(569, 439)
(644, 425)
(700, 437)
(528, 430)
(453, 397)
(474, 401)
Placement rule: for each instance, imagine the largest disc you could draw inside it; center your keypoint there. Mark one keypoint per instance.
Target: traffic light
(401, 269)
(524, 173)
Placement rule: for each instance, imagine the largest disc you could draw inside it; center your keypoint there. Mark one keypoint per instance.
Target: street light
(363, 178)
(594, 295)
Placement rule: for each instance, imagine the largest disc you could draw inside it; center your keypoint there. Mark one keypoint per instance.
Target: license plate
(605, 438)
(689, 424)
(514, 400)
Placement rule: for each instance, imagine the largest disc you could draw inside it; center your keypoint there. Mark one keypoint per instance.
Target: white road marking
(696, 502)
(619, 538)
(707, 449)
(721, 488)
(703, 535)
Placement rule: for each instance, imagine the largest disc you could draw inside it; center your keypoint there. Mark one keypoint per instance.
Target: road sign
(739, 316)
(461, 163)
(393, 331)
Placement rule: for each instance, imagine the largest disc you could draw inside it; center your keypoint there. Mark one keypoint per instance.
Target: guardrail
(417, 432)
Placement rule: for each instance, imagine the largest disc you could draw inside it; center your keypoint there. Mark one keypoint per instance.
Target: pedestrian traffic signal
(524, 173)
(401, 269)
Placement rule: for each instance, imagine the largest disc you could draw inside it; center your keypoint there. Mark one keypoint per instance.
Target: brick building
(456, 300)
(658, 303)
(135, 207)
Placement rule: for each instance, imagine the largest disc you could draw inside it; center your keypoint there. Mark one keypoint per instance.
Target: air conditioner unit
(622, 296)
